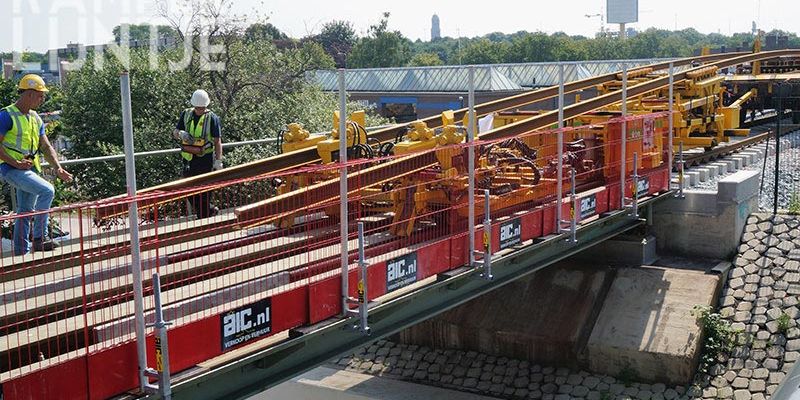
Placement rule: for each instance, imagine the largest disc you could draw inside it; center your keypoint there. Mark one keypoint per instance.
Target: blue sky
(37, 25)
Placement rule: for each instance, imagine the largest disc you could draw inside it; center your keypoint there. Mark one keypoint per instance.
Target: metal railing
(163, 152)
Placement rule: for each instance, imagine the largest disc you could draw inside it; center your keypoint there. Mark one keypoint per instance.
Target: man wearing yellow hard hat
(24, 142)
(199, 132)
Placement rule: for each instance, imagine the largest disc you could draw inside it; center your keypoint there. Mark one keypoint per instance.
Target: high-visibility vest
(22, 141)
(201, 132)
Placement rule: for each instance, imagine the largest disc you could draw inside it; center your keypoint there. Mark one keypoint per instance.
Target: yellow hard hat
(32, 82)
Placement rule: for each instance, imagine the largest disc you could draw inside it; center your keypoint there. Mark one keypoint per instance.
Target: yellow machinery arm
(732, 112)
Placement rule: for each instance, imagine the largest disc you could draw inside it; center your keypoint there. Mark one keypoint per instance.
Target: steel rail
(323, 191)
(309, 155)
(720, 151)
(297, 158)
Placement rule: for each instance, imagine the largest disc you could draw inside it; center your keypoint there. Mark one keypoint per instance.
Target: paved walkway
(326, 383)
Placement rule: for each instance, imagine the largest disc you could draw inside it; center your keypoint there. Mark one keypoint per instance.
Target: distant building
(436, 33)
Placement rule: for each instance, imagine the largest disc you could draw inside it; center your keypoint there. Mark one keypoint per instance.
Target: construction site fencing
(780, 184)
(245, 259)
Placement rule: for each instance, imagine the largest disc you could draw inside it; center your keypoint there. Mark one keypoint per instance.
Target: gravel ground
(789, 174)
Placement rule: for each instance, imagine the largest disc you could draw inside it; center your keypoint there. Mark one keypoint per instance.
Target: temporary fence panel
(242, 260)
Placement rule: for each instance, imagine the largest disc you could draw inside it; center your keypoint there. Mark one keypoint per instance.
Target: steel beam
(267, 368)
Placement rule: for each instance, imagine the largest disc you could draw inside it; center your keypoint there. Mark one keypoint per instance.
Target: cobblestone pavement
(760, 299)
(495, 376)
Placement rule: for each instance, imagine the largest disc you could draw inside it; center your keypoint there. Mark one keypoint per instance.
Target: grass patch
(718, 336)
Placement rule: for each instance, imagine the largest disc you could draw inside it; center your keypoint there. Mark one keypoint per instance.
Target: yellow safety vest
(23, 139)
(201, 132)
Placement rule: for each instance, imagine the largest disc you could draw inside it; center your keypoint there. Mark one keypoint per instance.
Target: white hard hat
(200, 98)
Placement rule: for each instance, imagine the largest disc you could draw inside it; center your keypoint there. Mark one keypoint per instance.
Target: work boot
(44, 244)
(57, 234)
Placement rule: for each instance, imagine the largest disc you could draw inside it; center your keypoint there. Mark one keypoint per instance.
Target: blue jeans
(33, 194)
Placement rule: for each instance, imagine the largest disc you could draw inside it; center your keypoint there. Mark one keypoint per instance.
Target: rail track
(691, 160)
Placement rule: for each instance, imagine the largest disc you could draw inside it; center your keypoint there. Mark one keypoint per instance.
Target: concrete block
(750, 157)
(713, 170)
(623, 250)
(739, 186)
(645, 324)
(693, 177)
(704, 223)
(738, 162)
(754, 155)
(693, 201)
(723, 167)
(675, 183)
(702, 173)
(731, 164)
(571, 292)
(747, 159)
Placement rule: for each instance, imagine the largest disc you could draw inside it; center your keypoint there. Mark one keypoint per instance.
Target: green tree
(483, 51)
(425, 59)
(92, 119)
(381, 48)
(141, 32)
(338, 39)
(265, 31)
(8, 92)
(445, 48)
(257, 92)
(606, 48)
(533, 47)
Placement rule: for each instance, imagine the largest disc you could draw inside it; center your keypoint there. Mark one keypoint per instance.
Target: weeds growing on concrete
(718, 336)
(784, 322)
(627, 376)
(794, 204)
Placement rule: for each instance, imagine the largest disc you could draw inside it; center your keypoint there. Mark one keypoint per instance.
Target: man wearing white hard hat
(24, 141)
(200, 134)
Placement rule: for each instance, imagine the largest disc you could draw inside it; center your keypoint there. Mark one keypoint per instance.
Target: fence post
(573, 200)
(343, 217)
(161, 372)
(487, 236)
(670, 151)
(471, 165)
(560, 151)
(777, 151)
(681, 165)
(635, 187)
(623, 135)
(363, 291)
(133, 221)
(83, 292)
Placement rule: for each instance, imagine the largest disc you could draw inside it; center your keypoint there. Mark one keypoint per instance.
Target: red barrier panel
(68, 380)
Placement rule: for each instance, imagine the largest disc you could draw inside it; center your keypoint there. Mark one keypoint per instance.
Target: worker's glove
(217, 164)
(185, 137)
